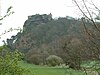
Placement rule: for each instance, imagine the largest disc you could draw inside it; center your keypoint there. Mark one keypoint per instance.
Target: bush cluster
(54, 60)
(9, 62)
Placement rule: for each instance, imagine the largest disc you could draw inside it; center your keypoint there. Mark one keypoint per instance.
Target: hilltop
(43, 36)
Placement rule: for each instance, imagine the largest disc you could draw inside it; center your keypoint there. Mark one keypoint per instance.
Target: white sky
(24, 8)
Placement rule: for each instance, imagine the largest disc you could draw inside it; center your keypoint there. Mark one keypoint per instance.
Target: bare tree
(92, 32)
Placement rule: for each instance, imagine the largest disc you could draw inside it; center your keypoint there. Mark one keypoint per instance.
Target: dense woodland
(66, 38)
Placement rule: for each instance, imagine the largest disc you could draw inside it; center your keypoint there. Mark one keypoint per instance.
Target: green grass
(44, 70)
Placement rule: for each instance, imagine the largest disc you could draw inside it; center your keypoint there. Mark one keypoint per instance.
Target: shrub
(9, 62)
(35, 59)
(54, 60)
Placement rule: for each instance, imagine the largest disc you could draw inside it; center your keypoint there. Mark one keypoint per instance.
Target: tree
(9, 60)
(90, 33)
(93, 31)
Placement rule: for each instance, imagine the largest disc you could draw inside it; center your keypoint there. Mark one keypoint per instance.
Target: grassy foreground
(44, 70)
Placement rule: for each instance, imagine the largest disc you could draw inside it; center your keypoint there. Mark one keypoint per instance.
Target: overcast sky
(24, 8)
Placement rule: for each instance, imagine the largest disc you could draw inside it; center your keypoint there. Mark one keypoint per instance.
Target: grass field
(44, 70)
(58, 70)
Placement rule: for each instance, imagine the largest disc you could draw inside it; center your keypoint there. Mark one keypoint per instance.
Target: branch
(86, 15)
